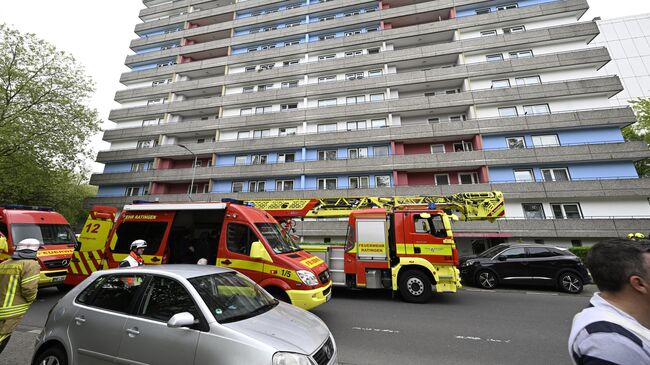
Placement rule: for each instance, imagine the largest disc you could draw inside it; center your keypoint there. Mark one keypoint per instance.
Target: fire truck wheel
(415, 286)
(279, 294)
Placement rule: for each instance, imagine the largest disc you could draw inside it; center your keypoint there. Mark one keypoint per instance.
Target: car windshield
(279, 242)
(490, 252)
(48, 234)
(232, 297)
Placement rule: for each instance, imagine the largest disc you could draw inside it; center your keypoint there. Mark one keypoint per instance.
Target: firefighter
(135, 256)
(18, 286)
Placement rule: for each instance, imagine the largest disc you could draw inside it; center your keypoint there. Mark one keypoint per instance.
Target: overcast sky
(98, 32)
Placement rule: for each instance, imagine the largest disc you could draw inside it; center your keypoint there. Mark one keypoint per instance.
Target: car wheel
(415, 286)
(51, 356)
(486, 279)
(570, 283)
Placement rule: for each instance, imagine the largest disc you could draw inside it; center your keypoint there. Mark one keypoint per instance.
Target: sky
(98, 32)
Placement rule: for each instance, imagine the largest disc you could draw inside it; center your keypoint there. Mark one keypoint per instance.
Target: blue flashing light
(232, 201)
(432, 206)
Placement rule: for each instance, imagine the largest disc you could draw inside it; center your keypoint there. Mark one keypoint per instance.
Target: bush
(581, 252)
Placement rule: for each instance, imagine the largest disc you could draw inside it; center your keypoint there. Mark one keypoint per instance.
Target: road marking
(35, 331)
(541, 293)
(474, 338)
(368, 329)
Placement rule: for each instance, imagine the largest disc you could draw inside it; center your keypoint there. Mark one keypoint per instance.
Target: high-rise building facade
(309, 98)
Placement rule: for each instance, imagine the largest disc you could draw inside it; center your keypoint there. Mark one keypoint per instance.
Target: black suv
(525, 264)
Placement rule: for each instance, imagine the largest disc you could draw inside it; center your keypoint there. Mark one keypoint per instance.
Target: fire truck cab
(18, 222)
(227, 234)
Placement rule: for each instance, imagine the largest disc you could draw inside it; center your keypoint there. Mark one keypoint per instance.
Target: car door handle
(226, 262)
(80, 320)
(132, 331)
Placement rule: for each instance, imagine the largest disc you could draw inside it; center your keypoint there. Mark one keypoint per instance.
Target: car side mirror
(258, 251)
(183, 319)
(501, 258)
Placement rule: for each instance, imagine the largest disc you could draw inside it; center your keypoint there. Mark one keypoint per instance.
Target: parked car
(179, 314)
(531, 264)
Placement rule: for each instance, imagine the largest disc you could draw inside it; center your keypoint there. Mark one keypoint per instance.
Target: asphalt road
(506, 326)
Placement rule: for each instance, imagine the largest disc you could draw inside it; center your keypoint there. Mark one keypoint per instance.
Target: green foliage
(640, 131)
(44, 125)
(581, 252)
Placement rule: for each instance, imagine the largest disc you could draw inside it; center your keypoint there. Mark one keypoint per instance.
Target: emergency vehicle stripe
(263, 268)
(92, 263)
(31, 278)
(425, 249)
(84, 265)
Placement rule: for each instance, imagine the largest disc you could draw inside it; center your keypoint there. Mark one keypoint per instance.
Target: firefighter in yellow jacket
(18, 286)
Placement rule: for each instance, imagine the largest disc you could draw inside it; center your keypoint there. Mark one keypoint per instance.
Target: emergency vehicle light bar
(172, 206)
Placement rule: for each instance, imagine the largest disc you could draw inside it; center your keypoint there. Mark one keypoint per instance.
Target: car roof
(186, 271)
(514, 245)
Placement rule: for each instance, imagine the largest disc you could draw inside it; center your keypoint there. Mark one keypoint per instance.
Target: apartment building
(313, 98)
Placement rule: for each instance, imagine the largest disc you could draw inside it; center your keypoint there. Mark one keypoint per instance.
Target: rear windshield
(48, 234)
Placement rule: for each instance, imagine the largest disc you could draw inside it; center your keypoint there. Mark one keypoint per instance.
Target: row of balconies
(417, 162)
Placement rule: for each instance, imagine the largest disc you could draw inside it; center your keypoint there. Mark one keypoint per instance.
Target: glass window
(378, 123)
(468, 178)
(239, 238)
(566, 211)
(263, 109)
(151, 232)
(514, 253)
(248, 90)
(515, 29)
(164, 298)
(358, 182)
(45, 233)
(521, 54)
(284, 185)
(246, 111)
(256, 186)
(539, 252)
(533, 210)
(240, 160)
(528, 80)
(516, 142)
(326, 103)
(326, 128)
(497, 84)
(382, 181)
(354, 153)
(264, 87)
(373, 50)
(290, 62)
(327, 155)
(487, 33)
(375, 73)
(510, 111)
(380, 151)
(561, 174)
(494, 57)
(457, 118)
(442, 179)
(354, 76)
(482, 11)
(507, 6)
(351, 126)
(357, 52)
(376, 97)
(286, 107)
(327, 184)
(463, 146)
(289, 131)
(324, 79)
(355, 99)
(432, 225)
(326, 57)
(549, 140)
(286, 157)
(112, 292)
(289, 84)
(259, 159)
(243, 135)
(524, 175)
(237, 186)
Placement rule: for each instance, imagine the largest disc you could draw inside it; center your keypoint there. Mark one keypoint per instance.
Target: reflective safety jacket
(18, 288)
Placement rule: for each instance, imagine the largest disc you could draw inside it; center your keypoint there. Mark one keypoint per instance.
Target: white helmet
(31, 244)
(138, 244)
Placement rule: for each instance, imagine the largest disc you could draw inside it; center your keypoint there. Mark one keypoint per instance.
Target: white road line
(541, 293)
(35, 331)
(368, 329)
(474, 338)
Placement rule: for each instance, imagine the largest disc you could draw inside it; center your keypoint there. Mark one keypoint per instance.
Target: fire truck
(404, 243)
(228, 234)
(18, 222)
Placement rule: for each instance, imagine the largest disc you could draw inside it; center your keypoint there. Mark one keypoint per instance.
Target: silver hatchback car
(179, 314)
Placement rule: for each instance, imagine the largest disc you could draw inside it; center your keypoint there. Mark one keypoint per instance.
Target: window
(291, 43)
(161, 82)
(441, 179)
(373, 50)
(432, 225)
(375, 73)
(324, 79)
(112, 292)
(516, 142)
(326, 57)
(267, 66)
(378, 123)
(521, 54)
(259, 159)
(536, 109)
(524, 175)
(327, 184)
(548, 140)
(468, 178)
(150, 122)
(508, 111)
(326, 103)
(243, 135)
(264, 87)
(507, 6)
(288, 131)
(239, 238)
(528, 80)
(286, 157)
(533, 210)
(433, 120)
(376, 97)
(352, 12)
(494, 57)
(146, 144)
(515, 29)
(287, 107)
(357, 52)
(558, 174)
(354, 153)
(246, 111)
(326, 128)
(164, 298)
(382, 181)
(140, 166)
(358, 182)
(237, 186)
(326, 37)
(327, 155)
(289, 84)
(267, 46)
(248, 90)
(463, 146)
(290, 62)
(353, 126)
(262, 133)
(132, 191)
(355, 99)
(380, 151)
(487, 33)
(250, 68)
(352, 32)
(437, 148)
(256, 186)
(240, 160)
(263, 109)
(323, 18)
(457, 118)
(482, 11)
(498, 84)
(284, 185)
(566, 211)
(514, 253)
(452, 91)
(354, 76)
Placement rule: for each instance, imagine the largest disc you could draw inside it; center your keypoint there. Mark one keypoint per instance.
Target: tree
(44, 125)
(640, 131)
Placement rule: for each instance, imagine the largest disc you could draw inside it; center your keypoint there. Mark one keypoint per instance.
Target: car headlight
(290, 358)
(469, 262)
(307, 277)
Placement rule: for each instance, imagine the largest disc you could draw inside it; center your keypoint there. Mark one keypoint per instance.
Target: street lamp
(193, 169)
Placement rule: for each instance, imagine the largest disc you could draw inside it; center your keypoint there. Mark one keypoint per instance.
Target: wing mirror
(183, 319)
(501, 258)
(258, 251)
